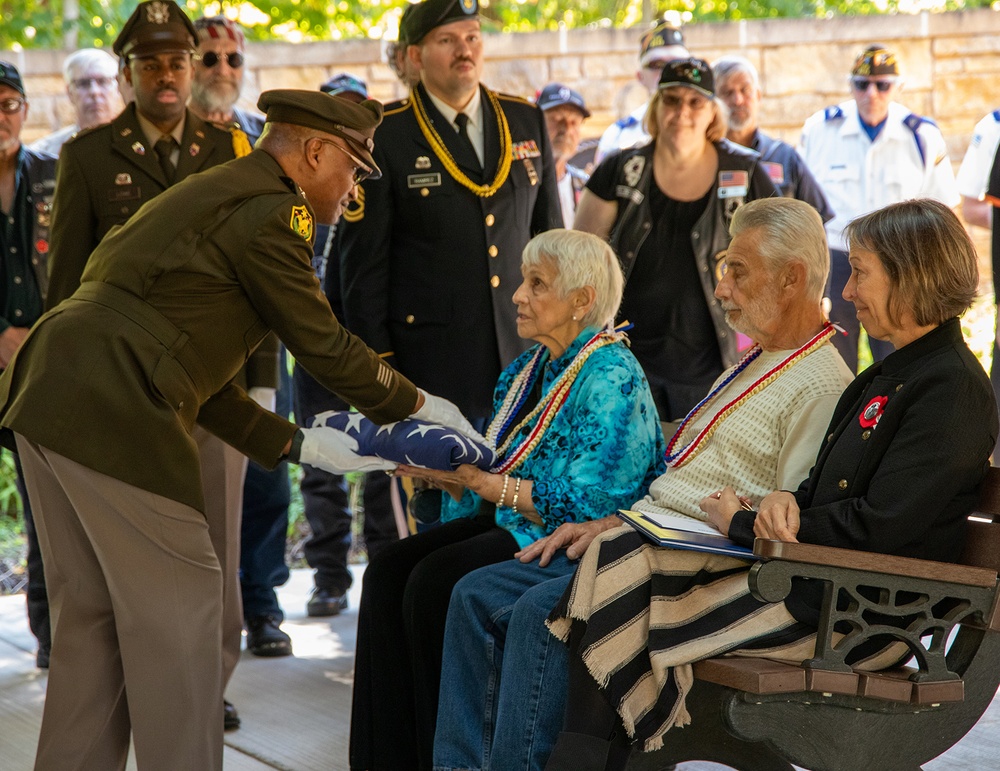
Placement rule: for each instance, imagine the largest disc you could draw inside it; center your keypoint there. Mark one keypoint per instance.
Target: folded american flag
(410, 441)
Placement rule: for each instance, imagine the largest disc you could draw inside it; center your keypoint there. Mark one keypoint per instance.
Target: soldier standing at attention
(432, 254)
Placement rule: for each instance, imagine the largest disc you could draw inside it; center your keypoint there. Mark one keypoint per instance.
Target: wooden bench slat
(763, 676)
(875, 563)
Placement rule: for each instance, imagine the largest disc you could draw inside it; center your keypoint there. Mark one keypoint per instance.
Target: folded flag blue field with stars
(410, 441)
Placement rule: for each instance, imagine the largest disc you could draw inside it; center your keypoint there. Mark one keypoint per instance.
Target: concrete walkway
(296, 710)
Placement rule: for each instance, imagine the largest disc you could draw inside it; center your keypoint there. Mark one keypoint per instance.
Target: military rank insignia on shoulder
(302, 222)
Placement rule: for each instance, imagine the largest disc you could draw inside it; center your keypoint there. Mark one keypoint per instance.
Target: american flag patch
(776, 172)
(733, 184)
(526, 149)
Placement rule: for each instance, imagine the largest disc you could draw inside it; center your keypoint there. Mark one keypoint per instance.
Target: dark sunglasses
(861, 84)
(11, 106)
(234, 60)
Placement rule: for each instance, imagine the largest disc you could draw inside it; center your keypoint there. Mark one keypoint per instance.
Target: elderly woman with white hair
(576, 431)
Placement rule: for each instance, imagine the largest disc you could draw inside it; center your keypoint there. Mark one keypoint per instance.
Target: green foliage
(40, 23)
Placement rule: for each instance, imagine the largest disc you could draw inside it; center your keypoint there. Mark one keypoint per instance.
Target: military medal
(532, 174)
(41, 246)
(872, 413)
(423, 162)
(138, 149)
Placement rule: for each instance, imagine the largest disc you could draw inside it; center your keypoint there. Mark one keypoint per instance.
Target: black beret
(155, 27)
(422, 17)
(353, 122)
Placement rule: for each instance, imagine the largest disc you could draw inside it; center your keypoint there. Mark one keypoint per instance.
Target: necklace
(541, 416)
(446, 158)
(678, 456)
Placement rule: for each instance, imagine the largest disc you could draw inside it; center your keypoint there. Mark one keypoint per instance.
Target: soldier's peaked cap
(354, 123)
(156, 27)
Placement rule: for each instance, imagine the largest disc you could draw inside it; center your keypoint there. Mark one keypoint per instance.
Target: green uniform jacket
(170, 308)
(104, 176)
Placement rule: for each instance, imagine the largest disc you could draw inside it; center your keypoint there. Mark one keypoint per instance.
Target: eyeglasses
(861, 84)
(85, 84)
(361, 170)
(11, 106)
(234, 60)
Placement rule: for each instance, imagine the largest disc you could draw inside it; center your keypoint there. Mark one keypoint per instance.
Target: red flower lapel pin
(872, 413)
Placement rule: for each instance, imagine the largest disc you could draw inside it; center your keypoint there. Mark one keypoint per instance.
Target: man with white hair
(92, 88)
(738, 86)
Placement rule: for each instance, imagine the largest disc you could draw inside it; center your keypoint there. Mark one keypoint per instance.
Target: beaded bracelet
(517, 489)
(503, 493)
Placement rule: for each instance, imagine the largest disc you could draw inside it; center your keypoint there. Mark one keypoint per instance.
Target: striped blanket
(650, 612)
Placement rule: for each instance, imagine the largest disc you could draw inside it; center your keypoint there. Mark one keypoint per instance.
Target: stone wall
(951, 61)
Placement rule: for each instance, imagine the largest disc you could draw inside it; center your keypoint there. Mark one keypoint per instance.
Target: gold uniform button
(495, 281)
(898, 387)
(866, 433)
(424, 192)
(842, 484)
(829, 438)
(410, 319)
(493, 251)
(490, 219)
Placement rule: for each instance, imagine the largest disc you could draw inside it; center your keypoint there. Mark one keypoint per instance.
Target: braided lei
(508, 457)
(679, 455)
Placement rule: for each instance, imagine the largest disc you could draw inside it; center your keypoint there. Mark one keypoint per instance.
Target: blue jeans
(495, 711)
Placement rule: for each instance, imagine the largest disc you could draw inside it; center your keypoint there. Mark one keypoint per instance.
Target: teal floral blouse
(599, 454)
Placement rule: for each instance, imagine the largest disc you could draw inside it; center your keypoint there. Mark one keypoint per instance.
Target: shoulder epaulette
(628, 120)
(402, 105)
(512, 98)
(86, 131)
(912, 122)
(833, 113)
(996, 115)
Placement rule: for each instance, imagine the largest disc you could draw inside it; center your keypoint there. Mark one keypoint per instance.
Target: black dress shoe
(324, 602)
(231, 718)
(265, 638)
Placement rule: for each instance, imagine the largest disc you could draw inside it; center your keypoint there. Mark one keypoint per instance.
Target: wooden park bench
(757, 715)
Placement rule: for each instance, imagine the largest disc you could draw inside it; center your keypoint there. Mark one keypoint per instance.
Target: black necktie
(462, 121)
(164, 147)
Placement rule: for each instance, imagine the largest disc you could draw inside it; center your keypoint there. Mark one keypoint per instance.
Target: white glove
(444, 413)
(265, 397)
(334, 451)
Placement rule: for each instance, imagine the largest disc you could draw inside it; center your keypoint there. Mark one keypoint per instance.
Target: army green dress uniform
(170, 308)
(104, 175)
